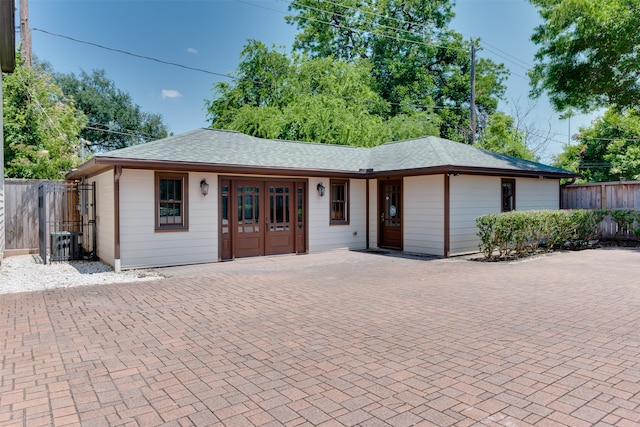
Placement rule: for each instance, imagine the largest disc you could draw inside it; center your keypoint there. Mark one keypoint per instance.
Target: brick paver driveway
(338, 338)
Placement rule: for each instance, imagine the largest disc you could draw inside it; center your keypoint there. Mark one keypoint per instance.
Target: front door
(390, 213)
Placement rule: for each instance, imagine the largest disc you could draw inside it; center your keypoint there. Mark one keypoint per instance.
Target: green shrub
(516, 232)
(486, 231)
(625, 219)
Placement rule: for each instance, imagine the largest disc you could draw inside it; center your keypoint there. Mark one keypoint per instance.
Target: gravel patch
(25, 273)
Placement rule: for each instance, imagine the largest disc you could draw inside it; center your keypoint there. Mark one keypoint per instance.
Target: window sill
(170, 229)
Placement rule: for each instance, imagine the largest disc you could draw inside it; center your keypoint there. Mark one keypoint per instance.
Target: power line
(505, 58)
(401, 21)
(149, 58)
(410, 104)
(395, 29)
(524, 65)
(131, 132)
(414, 105)
(344, 27)
(497, 51)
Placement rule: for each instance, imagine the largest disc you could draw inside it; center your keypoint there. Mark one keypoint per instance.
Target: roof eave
(475, 170)
(99, 164)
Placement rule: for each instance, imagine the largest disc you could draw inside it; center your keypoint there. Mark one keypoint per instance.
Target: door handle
(382, 217)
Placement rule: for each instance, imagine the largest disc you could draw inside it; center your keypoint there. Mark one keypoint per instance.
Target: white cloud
(170, 93)
(192, 50)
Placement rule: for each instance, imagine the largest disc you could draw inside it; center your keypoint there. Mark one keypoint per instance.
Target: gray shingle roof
(233, 148)
(433, 152)
(219, 147)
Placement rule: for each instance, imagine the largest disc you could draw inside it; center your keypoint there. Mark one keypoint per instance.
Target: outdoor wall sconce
(320, 188)
(204, 187)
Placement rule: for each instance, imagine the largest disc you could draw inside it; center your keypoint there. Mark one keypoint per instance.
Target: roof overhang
(474, 170)
(101, 164)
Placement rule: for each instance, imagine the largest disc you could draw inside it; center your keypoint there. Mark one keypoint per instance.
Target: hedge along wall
(517, 232)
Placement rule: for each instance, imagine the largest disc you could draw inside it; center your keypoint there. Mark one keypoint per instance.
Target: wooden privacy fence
(21, 216)
(604, 195)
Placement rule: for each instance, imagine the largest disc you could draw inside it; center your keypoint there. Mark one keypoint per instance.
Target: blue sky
(209, 35)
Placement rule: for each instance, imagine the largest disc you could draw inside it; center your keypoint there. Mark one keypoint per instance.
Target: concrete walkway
(341, 338)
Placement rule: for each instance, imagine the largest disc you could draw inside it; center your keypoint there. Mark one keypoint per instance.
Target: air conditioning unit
(66, 246)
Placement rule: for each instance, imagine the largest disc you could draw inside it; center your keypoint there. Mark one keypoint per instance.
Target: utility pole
(567, 115)
(25, 33)
(473, 93)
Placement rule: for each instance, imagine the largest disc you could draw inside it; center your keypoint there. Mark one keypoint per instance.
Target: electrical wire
(115, 132)
(496, 51)
(395, 29)
(414, 105)
(124, 52)
(344, 27)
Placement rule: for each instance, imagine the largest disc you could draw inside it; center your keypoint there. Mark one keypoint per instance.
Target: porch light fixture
(204, 187)
(320, 188)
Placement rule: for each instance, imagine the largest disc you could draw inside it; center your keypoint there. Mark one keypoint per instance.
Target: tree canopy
(608, 150)
(588, 53)
(114, 120)
(399, 72)
(41, 126)
(501, 136)
(418, 62)
(310, 99)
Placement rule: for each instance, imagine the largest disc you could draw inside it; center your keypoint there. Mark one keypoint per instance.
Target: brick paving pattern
(333, 339)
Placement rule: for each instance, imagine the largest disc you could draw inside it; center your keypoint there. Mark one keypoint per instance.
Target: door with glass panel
(390, 213)
(280, 227)
(249, 231)
(262, 217)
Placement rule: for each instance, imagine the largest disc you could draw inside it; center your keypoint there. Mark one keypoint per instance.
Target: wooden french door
(249, 236)
(390, 213)
(261, 217)
(279, 234)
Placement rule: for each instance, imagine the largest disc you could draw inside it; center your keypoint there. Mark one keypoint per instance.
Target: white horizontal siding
(142, 246)
(105, 217)
(471, 197)
(537, 194)
(326, 237)
(424, 214)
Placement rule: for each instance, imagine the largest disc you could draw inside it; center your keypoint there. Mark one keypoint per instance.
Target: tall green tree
(608, 150)
(115, 121)
(588, 53)
(41, 126)
(501, 136)
(310, 99)
(419, 64)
